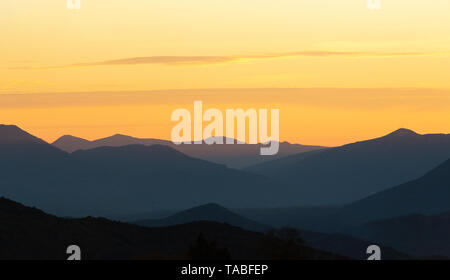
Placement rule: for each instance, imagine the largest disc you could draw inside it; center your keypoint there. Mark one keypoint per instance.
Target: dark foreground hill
(235, 156)
(354, 171)
(28, 233)
(339, 244)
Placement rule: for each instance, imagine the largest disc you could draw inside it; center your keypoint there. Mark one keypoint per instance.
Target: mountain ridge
(234, 156)
(427, 195)
(353, 171)
(207, 212)
(115, 181)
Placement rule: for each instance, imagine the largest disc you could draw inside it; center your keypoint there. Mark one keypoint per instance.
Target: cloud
(207, 60)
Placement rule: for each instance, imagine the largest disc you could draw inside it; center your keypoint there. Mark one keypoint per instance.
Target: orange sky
(106, 68)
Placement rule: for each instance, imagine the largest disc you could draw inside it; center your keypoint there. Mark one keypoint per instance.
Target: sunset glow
(337, 71)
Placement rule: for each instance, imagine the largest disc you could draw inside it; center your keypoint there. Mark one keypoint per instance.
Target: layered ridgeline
(235, 156)
(351, 172)
(412, 217)
(208, 212)
(29, 233)
(343, 245)
(123, 180)
(427, 195)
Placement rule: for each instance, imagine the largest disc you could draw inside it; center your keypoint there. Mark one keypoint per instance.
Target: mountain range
(427, 195)
(353, 186)
(345, 174)
(234, 156)
(123, 180)
(132, 179)
(412, 217)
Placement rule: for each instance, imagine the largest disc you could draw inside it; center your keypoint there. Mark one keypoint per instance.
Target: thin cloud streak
(208, 60)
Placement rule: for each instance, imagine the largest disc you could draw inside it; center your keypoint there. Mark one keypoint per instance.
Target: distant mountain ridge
(235, 156)
(208, 212)
(345, 174)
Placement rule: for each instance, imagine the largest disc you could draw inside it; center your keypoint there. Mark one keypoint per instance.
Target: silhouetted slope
(110, 181)
(141, 178)
(26, 163)
(235, 156)
(418, 235)
(27, 233)
(345, 174)
(18, 145)
(429, 194)
(209, 212)
(339, 244)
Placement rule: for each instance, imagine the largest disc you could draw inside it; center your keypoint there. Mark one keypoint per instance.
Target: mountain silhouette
(115, 181)
(16, 144)
(208, 212)
(375, 217)
(345, 174)
(418, 235)
(29, 233)
(68, 143)
(235, 156)
(427, 195)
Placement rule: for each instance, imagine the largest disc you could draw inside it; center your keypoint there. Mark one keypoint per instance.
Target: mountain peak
(118, 135)
(117, 139)
(210, 206)
(12, 133)
(71, 143)
(70, 138)
(403, 132)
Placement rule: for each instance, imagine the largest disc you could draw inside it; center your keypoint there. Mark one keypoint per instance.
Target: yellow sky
(118, 58)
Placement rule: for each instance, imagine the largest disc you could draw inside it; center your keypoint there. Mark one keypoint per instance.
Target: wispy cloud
(206, 60)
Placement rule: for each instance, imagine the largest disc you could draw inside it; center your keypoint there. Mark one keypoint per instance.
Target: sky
(338, 71)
